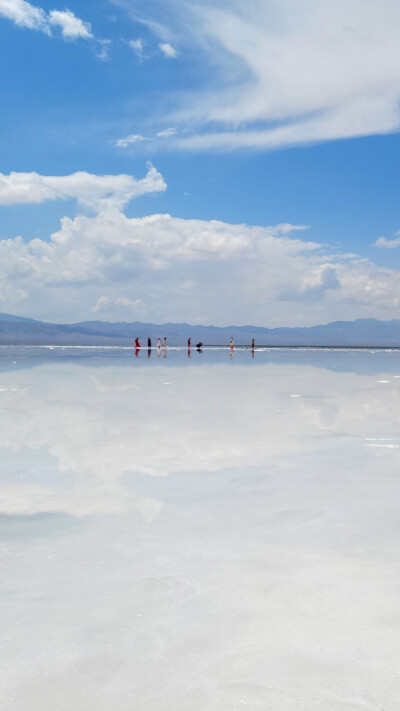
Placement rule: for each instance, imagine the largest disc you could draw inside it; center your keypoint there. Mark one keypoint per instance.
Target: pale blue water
(206, 533)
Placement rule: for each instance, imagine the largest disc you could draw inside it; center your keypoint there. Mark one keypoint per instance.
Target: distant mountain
(14, 319)
(362, 332)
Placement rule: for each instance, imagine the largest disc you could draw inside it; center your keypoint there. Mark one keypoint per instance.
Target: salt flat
(206, 533)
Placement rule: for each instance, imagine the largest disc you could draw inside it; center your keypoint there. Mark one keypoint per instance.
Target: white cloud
(104, 302)
(138, 138)
(128, 140)
(167, 50)
(384, 243)
(138, 47)
(287, 72)
(72, 27)
(94, 191)
(166, 133)
(163, 268)
(315, 286)
(103, 47)
(24, 14)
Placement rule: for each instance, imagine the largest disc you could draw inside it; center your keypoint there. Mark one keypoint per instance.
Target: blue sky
(248, 123)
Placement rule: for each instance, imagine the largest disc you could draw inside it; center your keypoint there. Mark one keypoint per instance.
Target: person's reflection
(231, 352)
(137, 350)
(188, 346)
(149, 352)
(252, 348)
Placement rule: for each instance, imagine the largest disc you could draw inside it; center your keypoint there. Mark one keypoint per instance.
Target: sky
(217, 163)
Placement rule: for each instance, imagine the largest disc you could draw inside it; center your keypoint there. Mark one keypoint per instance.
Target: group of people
(162, 346)
(159, 344)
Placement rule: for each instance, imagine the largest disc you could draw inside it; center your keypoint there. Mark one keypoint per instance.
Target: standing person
(149, 342)
(189, 342)
(137, 344)
(252, 344)
(158, 343)
(165, 343)
(231, 343)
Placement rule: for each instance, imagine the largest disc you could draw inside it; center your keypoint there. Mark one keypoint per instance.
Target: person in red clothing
(137, 344)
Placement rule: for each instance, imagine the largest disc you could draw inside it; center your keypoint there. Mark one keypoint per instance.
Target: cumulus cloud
(94, 191)
(71, 26)
(384, 243)
(161, 268)
(167, 50)
(314, 286)
(24, 14)
(287, 72)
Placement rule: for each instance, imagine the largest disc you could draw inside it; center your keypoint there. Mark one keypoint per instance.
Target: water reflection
(99, 423)
(161, 517)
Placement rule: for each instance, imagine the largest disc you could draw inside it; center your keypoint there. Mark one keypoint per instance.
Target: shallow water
(206, 533)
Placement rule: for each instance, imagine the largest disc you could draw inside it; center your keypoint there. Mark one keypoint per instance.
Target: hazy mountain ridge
(19, 330)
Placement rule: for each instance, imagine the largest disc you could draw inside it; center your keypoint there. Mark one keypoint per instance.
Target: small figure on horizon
(165, 342)
(198, 346)
(149, 342)
(158, 343)
(137, 343)
(189, 342)
(231, 343)
(252, 344)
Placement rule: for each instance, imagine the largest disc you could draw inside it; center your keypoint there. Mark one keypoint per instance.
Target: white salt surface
(215, 546)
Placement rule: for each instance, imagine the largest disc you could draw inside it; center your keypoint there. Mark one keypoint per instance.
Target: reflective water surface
(206, 533)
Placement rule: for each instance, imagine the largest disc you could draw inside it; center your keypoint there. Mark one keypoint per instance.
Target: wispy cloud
(128, 140)
(285, 72)
(138, 138)
(166, 133)
(137, 46)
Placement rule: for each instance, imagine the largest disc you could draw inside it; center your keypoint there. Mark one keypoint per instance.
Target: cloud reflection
(99, 424)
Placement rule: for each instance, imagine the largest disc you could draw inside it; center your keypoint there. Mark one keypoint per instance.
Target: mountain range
(18, 330)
